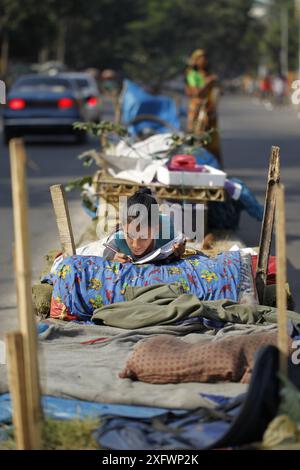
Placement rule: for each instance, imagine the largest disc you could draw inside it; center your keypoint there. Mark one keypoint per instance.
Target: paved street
(248, 131)
(50, 161)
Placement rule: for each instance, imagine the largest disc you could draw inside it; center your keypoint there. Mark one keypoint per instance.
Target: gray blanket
(71, 369)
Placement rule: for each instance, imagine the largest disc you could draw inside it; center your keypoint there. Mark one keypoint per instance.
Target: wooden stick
(267, 224)
(281, 278)
(23, 280)
(117, 106)
(63, 220)
(17, 382)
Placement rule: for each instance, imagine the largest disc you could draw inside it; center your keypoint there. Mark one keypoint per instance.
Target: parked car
(90, 94)
(42, 104)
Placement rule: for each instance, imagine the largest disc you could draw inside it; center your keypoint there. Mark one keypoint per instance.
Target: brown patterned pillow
(166, 359)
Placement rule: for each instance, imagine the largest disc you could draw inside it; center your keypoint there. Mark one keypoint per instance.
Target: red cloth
(59, 311)
(184, 163)
(271, 276)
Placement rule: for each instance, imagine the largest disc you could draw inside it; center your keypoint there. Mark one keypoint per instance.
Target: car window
(55, 85)
(82, 82)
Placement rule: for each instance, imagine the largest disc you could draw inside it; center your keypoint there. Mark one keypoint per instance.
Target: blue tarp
(197, 429)
(129, 426)
(134, 434)
(136, 101)
(204, 157)
(64, 408)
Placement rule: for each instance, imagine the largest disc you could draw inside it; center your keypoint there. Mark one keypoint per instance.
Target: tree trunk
(61, 41)
(43, 55)
(4, 55)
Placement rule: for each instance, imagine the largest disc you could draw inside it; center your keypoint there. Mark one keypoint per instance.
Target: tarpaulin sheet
(136, 101)
(63, 408)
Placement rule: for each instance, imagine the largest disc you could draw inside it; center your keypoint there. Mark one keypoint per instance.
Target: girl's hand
(121, 258)
(179, 248)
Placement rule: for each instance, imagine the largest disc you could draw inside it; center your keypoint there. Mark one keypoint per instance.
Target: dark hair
(142, 197)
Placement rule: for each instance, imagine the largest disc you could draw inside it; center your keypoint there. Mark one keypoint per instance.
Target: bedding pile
(82, 284)
(84, 361)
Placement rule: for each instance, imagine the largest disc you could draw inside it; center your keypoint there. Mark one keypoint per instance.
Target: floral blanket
(84, 283)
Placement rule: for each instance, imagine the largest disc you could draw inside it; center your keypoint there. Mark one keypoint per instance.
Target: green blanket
(165, 304)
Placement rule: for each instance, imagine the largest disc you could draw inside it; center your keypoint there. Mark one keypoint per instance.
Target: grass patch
(63, 435)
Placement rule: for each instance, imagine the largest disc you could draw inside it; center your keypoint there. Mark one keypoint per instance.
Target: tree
(271, 40)
(168, 31)
(147, 40)
(10, 17)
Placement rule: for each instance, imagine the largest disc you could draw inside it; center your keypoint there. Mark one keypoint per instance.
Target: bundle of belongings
(154, 161)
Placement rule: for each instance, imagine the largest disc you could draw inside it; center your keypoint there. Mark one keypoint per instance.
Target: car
(90, 94)
(42, 104)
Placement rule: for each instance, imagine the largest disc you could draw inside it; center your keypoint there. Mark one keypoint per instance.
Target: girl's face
(200, 62)
(140, 242)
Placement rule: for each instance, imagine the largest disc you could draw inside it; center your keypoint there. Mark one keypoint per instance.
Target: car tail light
(92, 101)
(65, 103)
(16, 103)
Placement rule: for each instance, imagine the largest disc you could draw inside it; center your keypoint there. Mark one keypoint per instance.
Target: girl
(143, 231)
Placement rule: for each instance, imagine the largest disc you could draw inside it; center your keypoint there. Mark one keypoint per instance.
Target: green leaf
(79, 183)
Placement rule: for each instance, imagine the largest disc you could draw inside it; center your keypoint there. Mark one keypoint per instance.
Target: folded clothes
(166, 359)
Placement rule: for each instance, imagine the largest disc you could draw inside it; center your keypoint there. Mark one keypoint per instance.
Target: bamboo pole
(17, 386)
(281, 279)
(23, 281)
(267, 224)
(63, 220)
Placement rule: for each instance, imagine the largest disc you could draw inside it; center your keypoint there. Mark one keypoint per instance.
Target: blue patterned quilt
(84, 283)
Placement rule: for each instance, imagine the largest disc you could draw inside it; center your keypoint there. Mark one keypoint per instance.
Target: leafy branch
(192, 140)
(104, 128)
(97, 129)
(79, 183)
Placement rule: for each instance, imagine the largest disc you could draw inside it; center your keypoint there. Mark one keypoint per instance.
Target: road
(248, 131)
(50, 161)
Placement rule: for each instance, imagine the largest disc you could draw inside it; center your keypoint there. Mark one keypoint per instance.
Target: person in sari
(202, 91)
